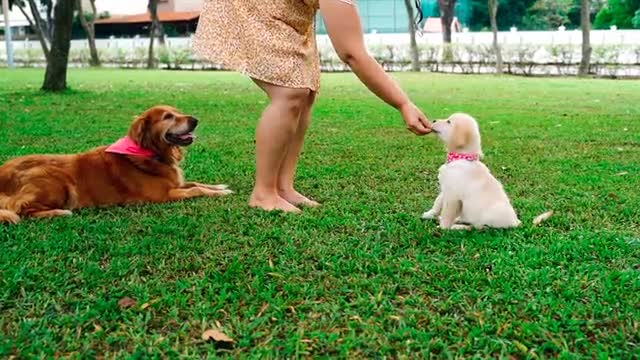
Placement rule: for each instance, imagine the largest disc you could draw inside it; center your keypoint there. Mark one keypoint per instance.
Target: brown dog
(143, 167)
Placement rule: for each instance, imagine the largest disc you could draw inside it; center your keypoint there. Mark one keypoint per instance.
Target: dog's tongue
(187, 136)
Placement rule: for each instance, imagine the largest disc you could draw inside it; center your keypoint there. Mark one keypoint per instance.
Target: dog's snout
(193, 122)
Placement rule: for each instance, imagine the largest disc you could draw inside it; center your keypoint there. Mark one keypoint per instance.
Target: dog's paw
(9, 217)
(429, 215)
(215, 193)
(225, 192)
(219, 187)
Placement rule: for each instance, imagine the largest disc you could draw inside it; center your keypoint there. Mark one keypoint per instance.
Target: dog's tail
(7, 216)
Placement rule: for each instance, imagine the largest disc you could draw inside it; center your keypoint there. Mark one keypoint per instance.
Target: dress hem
(242, 70)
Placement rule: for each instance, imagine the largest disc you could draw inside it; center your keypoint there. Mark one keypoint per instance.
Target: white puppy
(469, 194)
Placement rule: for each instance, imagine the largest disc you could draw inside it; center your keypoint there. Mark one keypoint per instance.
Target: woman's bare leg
(288, 170)
(274, 136)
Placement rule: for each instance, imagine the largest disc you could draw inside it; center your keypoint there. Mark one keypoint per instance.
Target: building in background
(390, 16)
(20, 28)
(180, 5)
(378, 16)
(129, 18)
(178, 17)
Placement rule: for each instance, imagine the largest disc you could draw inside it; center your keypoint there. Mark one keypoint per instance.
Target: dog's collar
(455, 156)
(126, 146)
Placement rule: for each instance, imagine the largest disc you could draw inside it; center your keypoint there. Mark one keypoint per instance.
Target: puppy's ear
(139, 132)
(460, 137)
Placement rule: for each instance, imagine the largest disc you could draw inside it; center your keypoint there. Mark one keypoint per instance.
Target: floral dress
(272, 41)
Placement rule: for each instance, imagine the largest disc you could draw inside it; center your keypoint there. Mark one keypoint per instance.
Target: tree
(415, 55)
(585, 20)
(493, 13)
(156, 29)
(8, 38)
(575, 13)
(89, 28)
(636, 20)
(447, 8)
(55, 78)
(548, 14)
(40, 26)
(512, 13)
(620, 13)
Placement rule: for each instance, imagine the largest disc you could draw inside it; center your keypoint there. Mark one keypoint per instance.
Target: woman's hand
(345, 30)
(416, 121)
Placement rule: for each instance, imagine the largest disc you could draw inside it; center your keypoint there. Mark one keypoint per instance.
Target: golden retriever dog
(469, 194)
(143, 167)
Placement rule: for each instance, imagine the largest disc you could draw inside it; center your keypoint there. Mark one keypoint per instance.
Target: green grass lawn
(360, 277)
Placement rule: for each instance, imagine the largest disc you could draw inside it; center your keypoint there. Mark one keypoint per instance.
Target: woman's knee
(293, 101)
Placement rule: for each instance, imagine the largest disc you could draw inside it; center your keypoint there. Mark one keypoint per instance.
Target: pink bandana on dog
(454, 156)
(126, 146)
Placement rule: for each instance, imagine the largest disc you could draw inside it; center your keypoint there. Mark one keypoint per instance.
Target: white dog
(469, 194)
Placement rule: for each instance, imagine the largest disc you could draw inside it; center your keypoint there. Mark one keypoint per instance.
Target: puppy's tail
(542, 218)
(7, 216)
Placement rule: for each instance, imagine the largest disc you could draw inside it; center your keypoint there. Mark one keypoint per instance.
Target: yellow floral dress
(269, 40)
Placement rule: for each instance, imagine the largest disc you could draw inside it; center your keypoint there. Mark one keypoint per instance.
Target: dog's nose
(193, 122)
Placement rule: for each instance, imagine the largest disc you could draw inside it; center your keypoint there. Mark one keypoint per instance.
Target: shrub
(521, 56)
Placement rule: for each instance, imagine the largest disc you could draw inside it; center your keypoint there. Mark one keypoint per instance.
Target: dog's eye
(167, 116)
(448, 121)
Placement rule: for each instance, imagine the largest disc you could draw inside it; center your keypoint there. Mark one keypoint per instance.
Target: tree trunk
(447, 8)
(49, 24)
(493, 13)
(8, 37)
(38, 31)
(160, 32)
(89, 29)
(55, 78)
(446, 18)
(43, 26)
(415, 55)
(585, 19)
(153, 11)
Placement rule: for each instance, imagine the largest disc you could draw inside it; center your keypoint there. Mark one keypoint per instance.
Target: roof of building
(434, 25)
(146, 18)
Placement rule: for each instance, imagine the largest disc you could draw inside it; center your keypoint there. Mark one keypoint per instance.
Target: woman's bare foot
(298, 199)
(272, 203)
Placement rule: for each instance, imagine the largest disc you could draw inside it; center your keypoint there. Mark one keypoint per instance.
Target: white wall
(188, 5)
(122, 7)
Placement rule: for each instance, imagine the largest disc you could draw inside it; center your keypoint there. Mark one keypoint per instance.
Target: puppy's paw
(461, 227)
(429, 215)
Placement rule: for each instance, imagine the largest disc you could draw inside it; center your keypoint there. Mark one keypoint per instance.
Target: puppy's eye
(448, 121)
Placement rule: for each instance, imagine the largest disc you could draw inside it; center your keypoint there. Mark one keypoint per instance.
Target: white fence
(616, 52)
(573, 37)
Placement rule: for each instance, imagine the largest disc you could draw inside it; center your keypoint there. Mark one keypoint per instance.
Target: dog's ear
(460, 137)
(139, 132)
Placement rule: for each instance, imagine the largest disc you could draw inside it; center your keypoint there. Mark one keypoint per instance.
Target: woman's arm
(345, 30)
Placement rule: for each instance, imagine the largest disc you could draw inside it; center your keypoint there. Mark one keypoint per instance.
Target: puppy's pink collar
(454, 156)
(126, 146)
